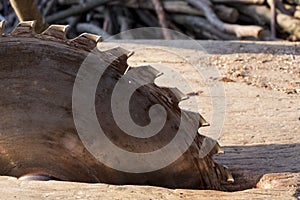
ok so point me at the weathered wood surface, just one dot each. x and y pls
(260, 135)
(45, 127)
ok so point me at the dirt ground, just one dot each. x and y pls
(261, 130)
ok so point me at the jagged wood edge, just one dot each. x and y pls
(57, 33)
(211, 146)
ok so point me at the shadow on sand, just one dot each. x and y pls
(224, 47)
(249, 163)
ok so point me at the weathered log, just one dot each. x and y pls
(261, 14)
(202, 24)
(239, 30)
(221, 14)
(227, 14)
(289, 24)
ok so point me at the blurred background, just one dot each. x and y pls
(199, 19)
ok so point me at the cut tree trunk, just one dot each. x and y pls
(238, 30)
(262, 16)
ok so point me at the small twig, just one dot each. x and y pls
(162, 18)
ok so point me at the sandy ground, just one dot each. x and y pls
(261, 130)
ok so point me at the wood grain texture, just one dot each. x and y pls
(260, 135)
